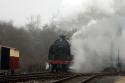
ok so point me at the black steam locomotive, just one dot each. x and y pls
(59, 55)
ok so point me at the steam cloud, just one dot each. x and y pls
(100, 32)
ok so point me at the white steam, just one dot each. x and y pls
(77, 13)
(100, 32)
(93, 46)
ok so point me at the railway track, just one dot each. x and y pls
(32, 76)
(85, 78)
(76, 79)
(57, 77)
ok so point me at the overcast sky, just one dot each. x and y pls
(19, 10)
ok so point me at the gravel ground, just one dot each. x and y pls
(40, 81)
(109, 79)
(121, 80)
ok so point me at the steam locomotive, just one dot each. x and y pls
(59, 55)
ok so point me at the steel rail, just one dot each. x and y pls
(47, 75)
(27, 77)
(91, 76)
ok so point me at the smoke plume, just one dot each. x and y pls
(100, 32)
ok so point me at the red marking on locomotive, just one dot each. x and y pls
(59, 62)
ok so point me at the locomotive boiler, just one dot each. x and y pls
(59, 55)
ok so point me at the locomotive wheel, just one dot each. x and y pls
(64, 68)
(54, 68)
